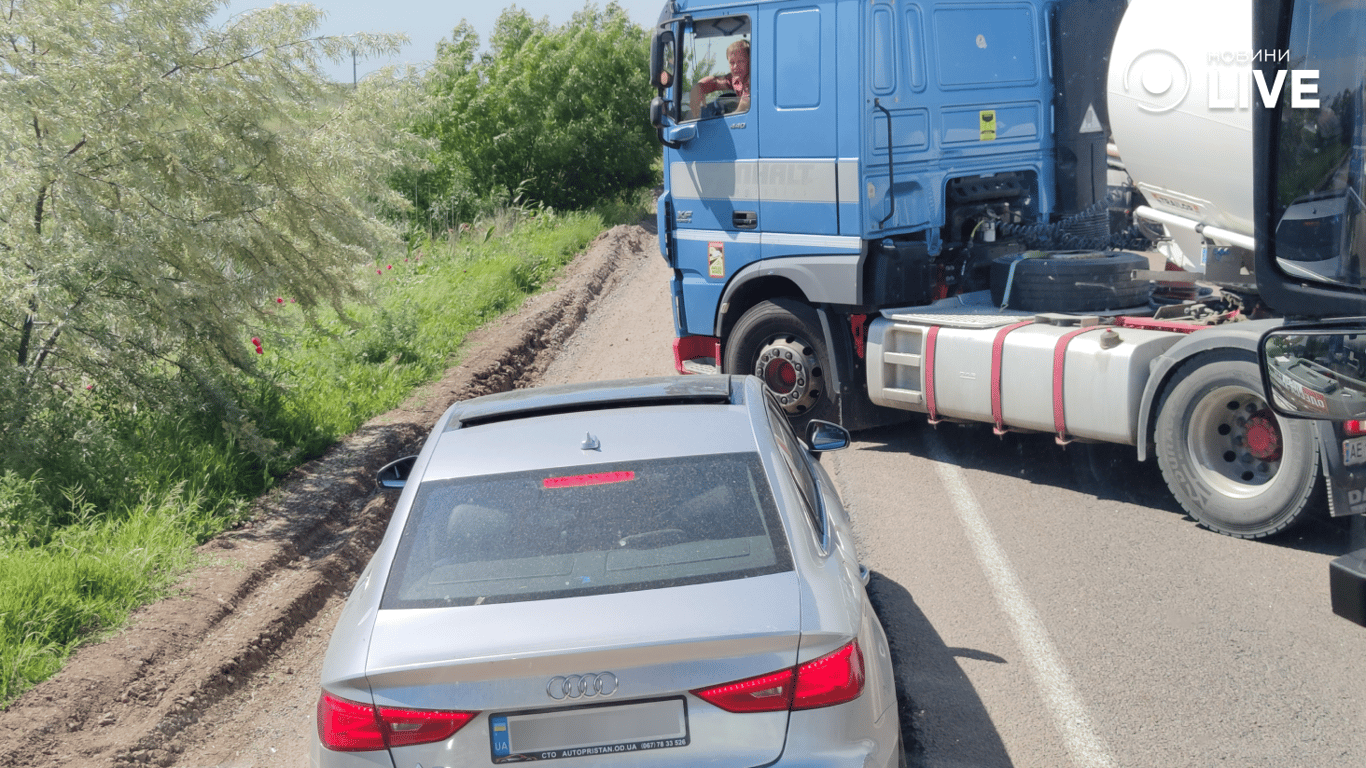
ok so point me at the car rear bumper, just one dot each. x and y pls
(854, 738)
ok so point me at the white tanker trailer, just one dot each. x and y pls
(1180, 93)
(1180, 100)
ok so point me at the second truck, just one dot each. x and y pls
(887, 206)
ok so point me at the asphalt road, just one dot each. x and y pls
(1053, 607)
(1047, 607)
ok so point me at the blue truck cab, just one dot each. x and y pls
(877, 151)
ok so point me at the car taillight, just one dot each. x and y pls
(348, 726)
(1354, 427)
(766, 693)
(832, 679)
(415, 726)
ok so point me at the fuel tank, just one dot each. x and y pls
(1180, 95)
(1035, 371)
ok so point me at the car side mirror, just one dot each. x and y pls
(824, 436)
(1315, 371)
(395, 473)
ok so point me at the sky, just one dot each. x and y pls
(428, 21)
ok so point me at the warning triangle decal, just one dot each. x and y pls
(1091, 123)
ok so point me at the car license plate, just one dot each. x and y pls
(600, 729)
(1354, 451)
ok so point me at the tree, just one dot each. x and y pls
(163, 179)
(556, 113)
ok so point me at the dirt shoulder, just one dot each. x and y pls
(241, 633)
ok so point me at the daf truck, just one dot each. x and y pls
(913, 206)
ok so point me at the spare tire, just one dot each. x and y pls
(1080, 281)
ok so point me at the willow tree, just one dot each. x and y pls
(163, 179)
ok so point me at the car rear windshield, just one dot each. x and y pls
(587, 530)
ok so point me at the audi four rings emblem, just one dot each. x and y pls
(582, 686)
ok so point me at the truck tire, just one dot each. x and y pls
(1092, 281)
(1235, 466)
(780, 341)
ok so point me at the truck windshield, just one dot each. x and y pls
(1321, 229)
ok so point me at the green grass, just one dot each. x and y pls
(123, 493)
(85, 580)
(426, 303)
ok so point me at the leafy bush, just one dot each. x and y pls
(554, 115)
(24, 515)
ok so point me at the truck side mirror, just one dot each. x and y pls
(657, 112)
(662, 59)
(1315, 371)
(671, 136)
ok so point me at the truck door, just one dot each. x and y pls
(712, 176)
(796, 101)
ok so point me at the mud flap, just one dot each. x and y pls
(850, 377)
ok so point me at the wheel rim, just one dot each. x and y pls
(789, 368)
(1236, 442)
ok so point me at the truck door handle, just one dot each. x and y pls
(745, 219)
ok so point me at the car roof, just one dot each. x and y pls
(594, 396)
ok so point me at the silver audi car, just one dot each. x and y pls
(653, 572)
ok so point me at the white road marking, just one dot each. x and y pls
(1050, 675)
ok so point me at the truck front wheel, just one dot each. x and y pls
(1235, 466)
(780, 341)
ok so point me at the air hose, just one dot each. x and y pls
(1059, 235)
